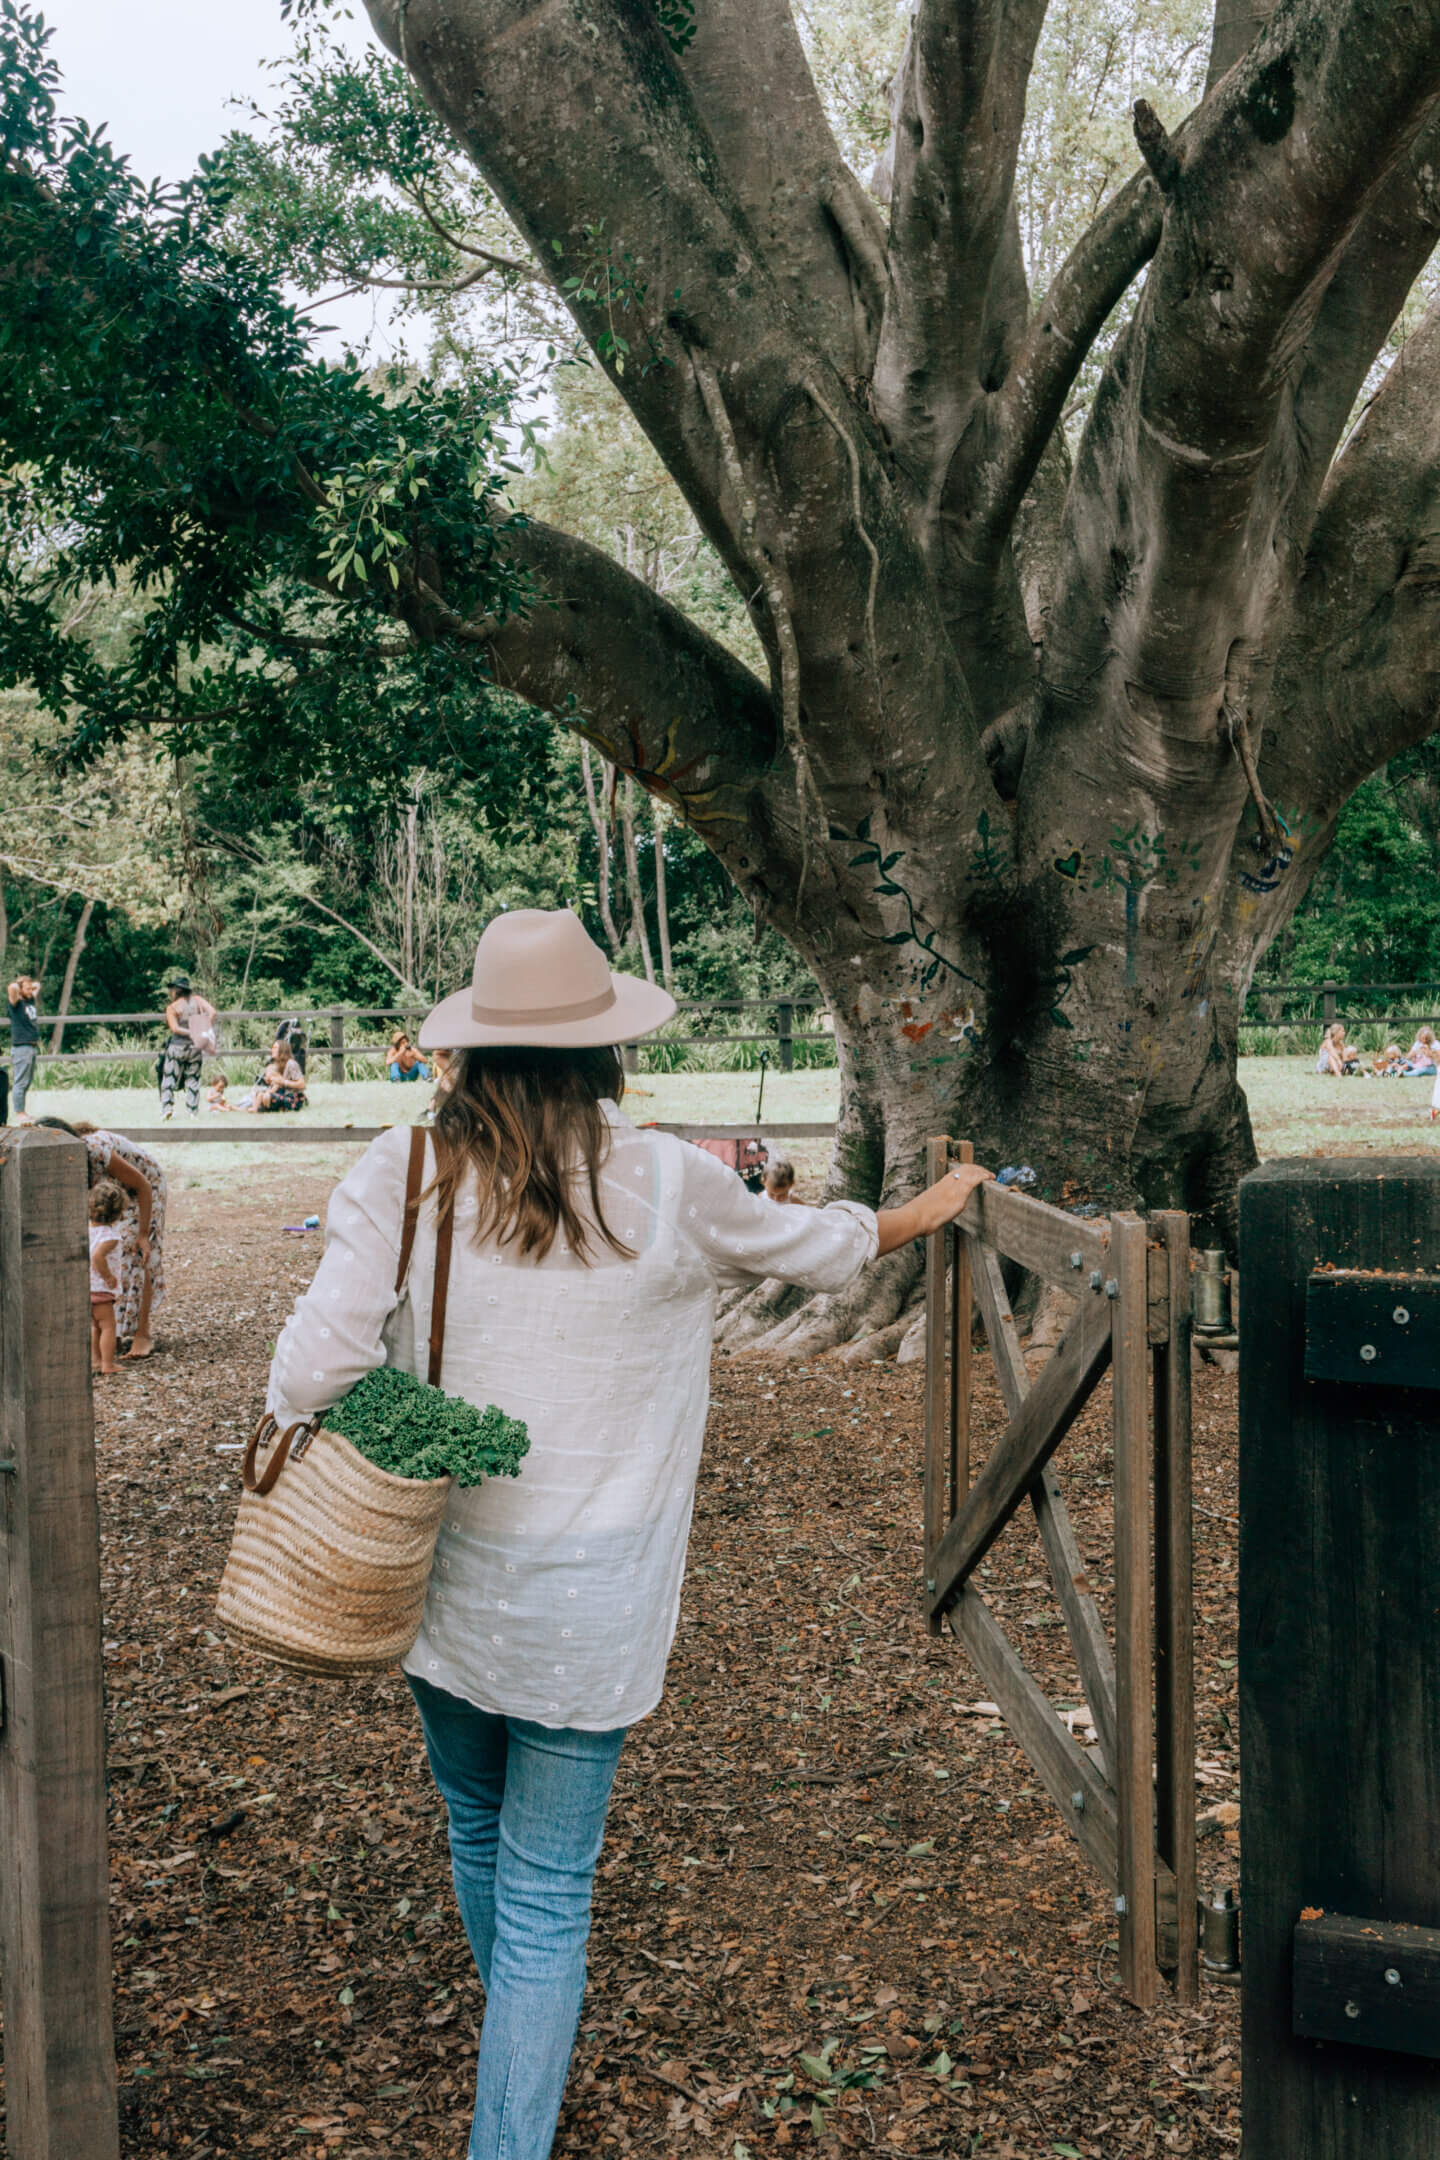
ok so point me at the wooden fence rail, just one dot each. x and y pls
(334, 1039)
(60, 2092)
(1129, 1801)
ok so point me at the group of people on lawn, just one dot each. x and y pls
(1337, 1059)
(191, 1038)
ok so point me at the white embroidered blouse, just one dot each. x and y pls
(555, 1595)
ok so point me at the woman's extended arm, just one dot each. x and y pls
(126, 1174)
(930, 1210)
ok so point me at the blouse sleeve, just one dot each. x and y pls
(333, 1337)
(745, 1237)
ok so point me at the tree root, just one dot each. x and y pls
(782, 1321)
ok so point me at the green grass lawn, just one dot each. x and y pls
(1294, 1111)
(668, 1098)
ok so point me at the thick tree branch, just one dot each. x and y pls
(1386, 253)
(820, 233)
(959, 114)
(611, 659)
(593, 142)
(1234, 29)
(1025, 411)
(1358, 676)
(999, 453)
(1173, 568)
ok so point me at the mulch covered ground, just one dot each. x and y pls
(835, 1912)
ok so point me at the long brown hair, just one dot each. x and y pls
(528, 1122)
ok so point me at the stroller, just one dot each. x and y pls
(747, 1158)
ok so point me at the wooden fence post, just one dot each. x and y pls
(1340, 1658)
(962, 1317)
(1175, 1598)
(937, 1155)
(337, 1048)
(1327, 1001)
(785, 1031)
(1132, 1774)
(54, 1873)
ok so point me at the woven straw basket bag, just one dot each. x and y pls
(330, 1556)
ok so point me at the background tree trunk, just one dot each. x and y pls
(662, 902)
(67, 987)
(600, 824)
(632, 874)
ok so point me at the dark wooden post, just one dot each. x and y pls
(1327, 997)
(337, 1048)
(785, 1031)
(1132, 1773)
(54, 1873)
(962, 1312)
(1175, 1596)
(937, 1155)
(1340, 1658)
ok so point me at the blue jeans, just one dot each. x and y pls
(22, 1072)
(527, 1806)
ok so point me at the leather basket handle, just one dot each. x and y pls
(413, 1177)
(264, 1432)
(444, 1236)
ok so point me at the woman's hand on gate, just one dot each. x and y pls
(930, 1210)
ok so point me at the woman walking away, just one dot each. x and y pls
(141, 1226)
(587, 1258)
(190, 1019)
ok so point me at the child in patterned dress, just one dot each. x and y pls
(106, 1205)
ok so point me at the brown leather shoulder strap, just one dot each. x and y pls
(444, 1233)
(413, 1179)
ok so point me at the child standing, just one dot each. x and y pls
(107, 1204)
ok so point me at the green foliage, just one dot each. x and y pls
(304, 544)
(357, 180)
(1372, 913)
(677, 22)
(607, 280)
(414, 1431)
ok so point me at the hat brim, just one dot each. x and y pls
(639, 1008)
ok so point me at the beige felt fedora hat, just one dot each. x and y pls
(540, 980)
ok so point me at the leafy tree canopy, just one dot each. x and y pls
(315, 553)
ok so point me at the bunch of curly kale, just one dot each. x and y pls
(414, 1431)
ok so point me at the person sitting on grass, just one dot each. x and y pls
(1423, 1056)
(107, 1205)
(1387, 1062)
(1336, 1059)
(406, 1062)
(215, 1094)
(282, 1088)
(780, 1184)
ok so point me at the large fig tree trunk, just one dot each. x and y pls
(1046, 755)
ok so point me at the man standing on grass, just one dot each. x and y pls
(24, 1040)
(190, 1019)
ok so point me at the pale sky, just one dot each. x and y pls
(161, 74)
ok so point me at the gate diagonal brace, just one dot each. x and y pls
(1083, 1623)
(1020, 1455)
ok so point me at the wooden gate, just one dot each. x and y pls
(1130, 1800)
